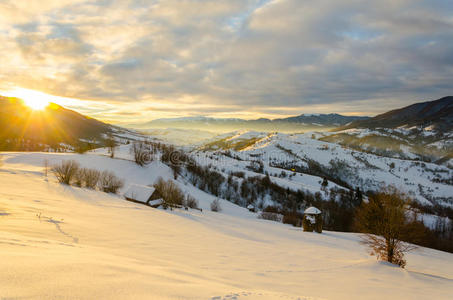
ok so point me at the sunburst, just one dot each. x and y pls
(33, 99)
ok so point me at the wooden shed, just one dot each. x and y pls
(143, 194)
(312, 220)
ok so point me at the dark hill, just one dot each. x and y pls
(438, 113)
(22, 128)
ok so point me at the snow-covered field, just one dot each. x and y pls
(61, 242)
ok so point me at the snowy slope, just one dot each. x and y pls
(70, 243)
(426, 143)
(422, 181)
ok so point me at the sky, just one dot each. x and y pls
(133, 61)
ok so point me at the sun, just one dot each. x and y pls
(36, 104)
(33, 99)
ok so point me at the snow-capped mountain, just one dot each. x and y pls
(297, 123)
(322, 119)
(196, 119)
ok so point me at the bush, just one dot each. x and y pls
(191, 201)
(79, 177)
(293, 218)
(271, 216)
(65, 171)
(271, 209)
(91, 178)
(85, 177)
(170, 193)
(109, 183)
(215, 205)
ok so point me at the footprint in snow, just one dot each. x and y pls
(251, 295)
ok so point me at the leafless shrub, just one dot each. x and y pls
(91, 178)
(276, 217)
(292, 218)
(85, 177)
(109, 183)
(65, 171)
(191, 201)
(170, 192)
(215, 205)
(79, 177)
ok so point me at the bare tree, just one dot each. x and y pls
(386, 225)
(46, 167)
(142, 153)
(111, 144)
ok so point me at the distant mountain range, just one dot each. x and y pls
(302, 122)
(437, 113)
(22, 128)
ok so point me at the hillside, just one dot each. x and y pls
(55, 128)
(422, 131)
(301, 154)
(25, 129)
(438, 114)
(61, 242)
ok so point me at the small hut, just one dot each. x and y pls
(312, 220)
(251, 208)
(143, 194)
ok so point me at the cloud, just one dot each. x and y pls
(249, 57)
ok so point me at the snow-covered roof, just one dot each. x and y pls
(312, 211)
(250, 206)
(155, 202)
(139, 193)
